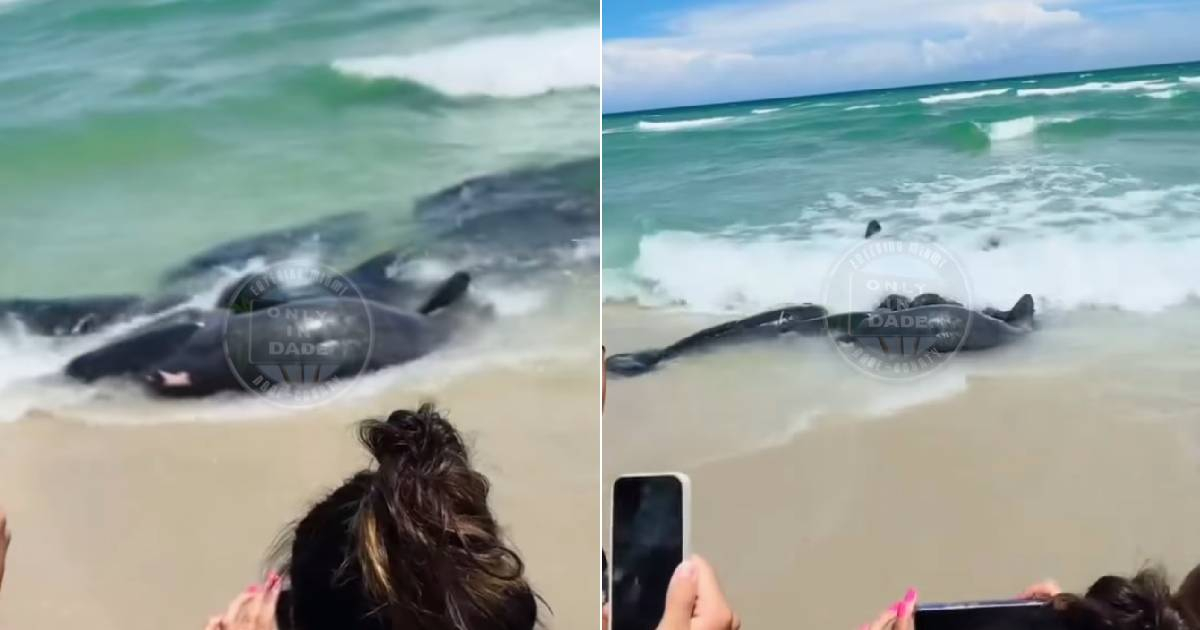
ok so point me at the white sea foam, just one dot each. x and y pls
(677, 125)
(858, 107)
(511, 66)
(1025, 126)
(962, 96)
(706, 273)
(765, 110)
(1189, 79)
(1164, 95)
(1098, 86)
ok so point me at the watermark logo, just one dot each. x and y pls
(297, 334)
(880, 334)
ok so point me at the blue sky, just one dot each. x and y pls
(664, 53)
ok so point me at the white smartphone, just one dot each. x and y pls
(651, 535)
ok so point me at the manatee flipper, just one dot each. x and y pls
(1022, 312)
(633, 363)
(447, 293)
(873, 228)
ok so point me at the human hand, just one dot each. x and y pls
(254, 609)
(695, 600)
(5, 539)
(897, 617)
(1042, 591)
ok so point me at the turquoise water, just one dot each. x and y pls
(1082, 189)
(135, 133)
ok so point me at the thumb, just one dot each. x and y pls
(681, 598)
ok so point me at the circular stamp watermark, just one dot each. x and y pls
(297, 334)
(869, 290)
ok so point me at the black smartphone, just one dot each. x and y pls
(651, 524)
(987, 615)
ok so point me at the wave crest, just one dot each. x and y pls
(962, 96)
(1098, 86)
(676, 125)
(513, 66)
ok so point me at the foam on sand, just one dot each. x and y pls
(512, 66)
(962, 96)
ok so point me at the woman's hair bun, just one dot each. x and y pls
(418, 441)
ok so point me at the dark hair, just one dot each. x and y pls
(1142, 602)
(410, 544)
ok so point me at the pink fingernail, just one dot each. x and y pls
(253, 588)
(686, 569)
(910, 596)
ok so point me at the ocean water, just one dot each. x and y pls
(1082, 189)
(135, 134)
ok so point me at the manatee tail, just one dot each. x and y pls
(1022, 311)
(447, 293)
(633, 363)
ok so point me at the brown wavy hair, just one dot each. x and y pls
(407, 544)
(1142, 602)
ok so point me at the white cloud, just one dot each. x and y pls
(744, 51)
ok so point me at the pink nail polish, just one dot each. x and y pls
(252, 589)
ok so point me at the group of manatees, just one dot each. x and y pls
(511, 223)
(927, 323)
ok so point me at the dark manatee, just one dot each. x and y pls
(803, 319)
(82, 315)
(324, 236)
(352, 336)
(894, 302)
(943, 328)
(946, 325)
(522, 214)
(141, 348)
(873, 228)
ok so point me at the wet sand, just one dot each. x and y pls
(143, 527)
(822, 495)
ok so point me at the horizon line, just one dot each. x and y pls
(897, 87)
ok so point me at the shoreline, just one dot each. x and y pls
(202, 502)
(1066, 459)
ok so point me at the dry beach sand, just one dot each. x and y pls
(144, 527)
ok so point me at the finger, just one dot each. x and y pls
(737, 622)
(231, 613)
(214, 623)
(266, 614)
(710, 600)
(249, 610)
(905, 609)
(884, 621)
(1045, 589)
(681, 598)
(604, 615)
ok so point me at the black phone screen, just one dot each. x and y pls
(1012, 615)
(647, 545)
